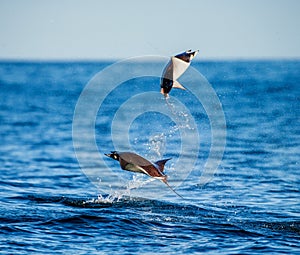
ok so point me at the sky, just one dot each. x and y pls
(98, 29)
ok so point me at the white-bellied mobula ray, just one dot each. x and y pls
(135, 163)
(174, 69)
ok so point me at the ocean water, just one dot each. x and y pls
(62, 198)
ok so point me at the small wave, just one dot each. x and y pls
(282, 226)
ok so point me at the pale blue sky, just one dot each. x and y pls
(91, 29)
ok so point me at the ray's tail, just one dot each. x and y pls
(164, 180)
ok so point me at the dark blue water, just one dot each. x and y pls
(49, 206)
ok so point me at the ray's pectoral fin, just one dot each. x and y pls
(177, 85)
(134, 168)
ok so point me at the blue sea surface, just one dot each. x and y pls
(49, 205)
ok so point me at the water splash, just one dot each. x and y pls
(138, 181)
(119, 195)
(157, 145)
(181, 117)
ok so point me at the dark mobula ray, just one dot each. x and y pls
(135, 163)
(174, 69)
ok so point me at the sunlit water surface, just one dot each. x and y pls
(49, 205)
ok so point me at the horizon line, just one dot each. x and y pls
(206, 59)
